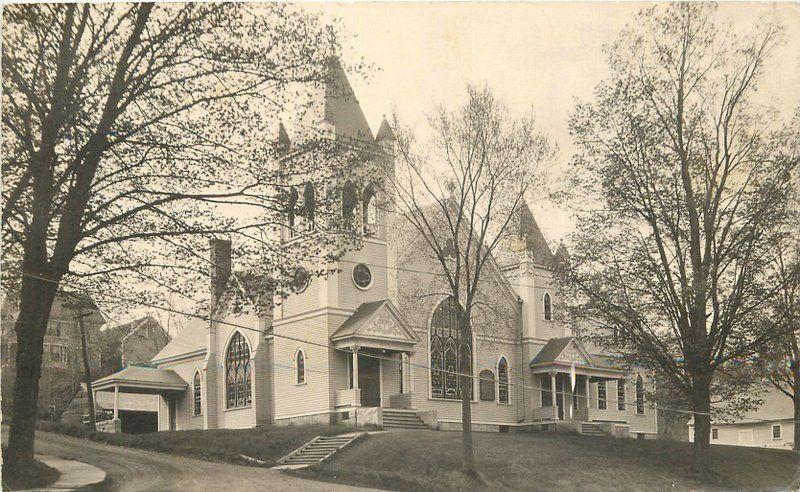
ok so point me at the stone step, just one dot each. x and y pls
(316, 451)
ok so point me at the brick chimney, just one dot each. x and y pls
(221, 270)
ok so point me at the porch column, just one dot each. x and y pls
(355, 367)
(116, 401)
(403, 364)
(555, 395)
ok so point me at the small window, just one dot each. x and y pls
(362, 276)
(300, 365)
(370, 205)
(291, 210)
(639, 395)
(300, 280)
(776, 431)
(349, 203)
(487, 385)
(715, 434)
(198, 395)
(502, 380)
(548, 307)
(621, 395)
(601, 395)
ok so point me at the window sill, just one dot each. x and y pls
(233, 409)
(304, 383)
(448, 400)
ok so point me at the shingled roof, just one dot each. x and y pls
(341, 107)
(534, 241)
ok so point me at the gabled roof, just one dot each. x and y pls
(142, 378)
(191, 339)
(377, 321)
(555, 347)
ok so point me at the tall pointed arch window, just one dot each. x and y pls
(370, 210)
(198, 394)
(547, 307)
(300, 366)
(238, 375)
(639, 395)
(502, 380)
(291, 211)
(450, 355)
(349, 203)
(310, 205)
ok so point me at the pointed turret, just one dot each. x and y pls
(385, 133)
(284, 142)
(562, 255)
(534, 241)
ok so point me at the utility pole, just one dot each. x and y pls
(86, 369)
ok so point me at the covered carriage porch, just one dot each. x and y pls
(376, 345)
(165, 385)
(563, 371)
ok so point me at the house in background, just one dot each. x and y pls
(771, 425)
(375, 342)
(135, 342)
(62, 358)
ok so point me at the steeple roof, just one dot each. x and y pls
(534, 241)
(341, 107)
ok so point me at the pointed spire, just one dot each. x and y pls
(385, 131)
(561, 255)
(283, 137)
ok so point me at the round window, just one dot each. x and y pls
(301, 280)
(362, 277)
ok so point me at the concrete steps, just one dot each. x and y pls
(402, 419)
(315, 451)
(589, 429)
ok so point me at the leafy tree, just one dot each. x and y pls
(461, 191)
(131, 133)
(683, 179)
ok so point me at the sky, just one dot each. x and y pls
(540, 55)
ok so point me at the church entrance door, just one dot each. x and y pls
(369, 380)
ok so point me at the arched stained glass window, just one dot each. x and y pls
(300, 366)
(238, 375)
(639, 395)
(449, 354)
(547, 305)
(198, 394)
(502, 380)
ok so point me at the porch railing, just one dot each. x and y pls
(350, 397)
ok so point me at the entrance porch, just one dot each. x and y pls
(145, 381)
(376, 346)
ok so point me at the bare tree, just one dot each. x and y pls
(126, 128)
(684, 180)
(461, 191)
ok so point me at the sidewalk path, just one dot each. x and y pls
(74, 474)
(134, 470)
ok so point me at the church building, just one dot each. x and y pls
(373, 344)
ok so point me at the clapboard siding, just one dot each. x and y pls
(184, 411)
(313, 396)
(638, 423)
(373, 254)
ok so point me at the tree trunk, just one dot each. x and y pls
(36, 300)
(796, 401)
(466, 397)
(701, 405)
(87, 372)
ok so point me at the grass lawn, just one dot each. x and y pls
(424, 460)
(36, 476)
(267, 444)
